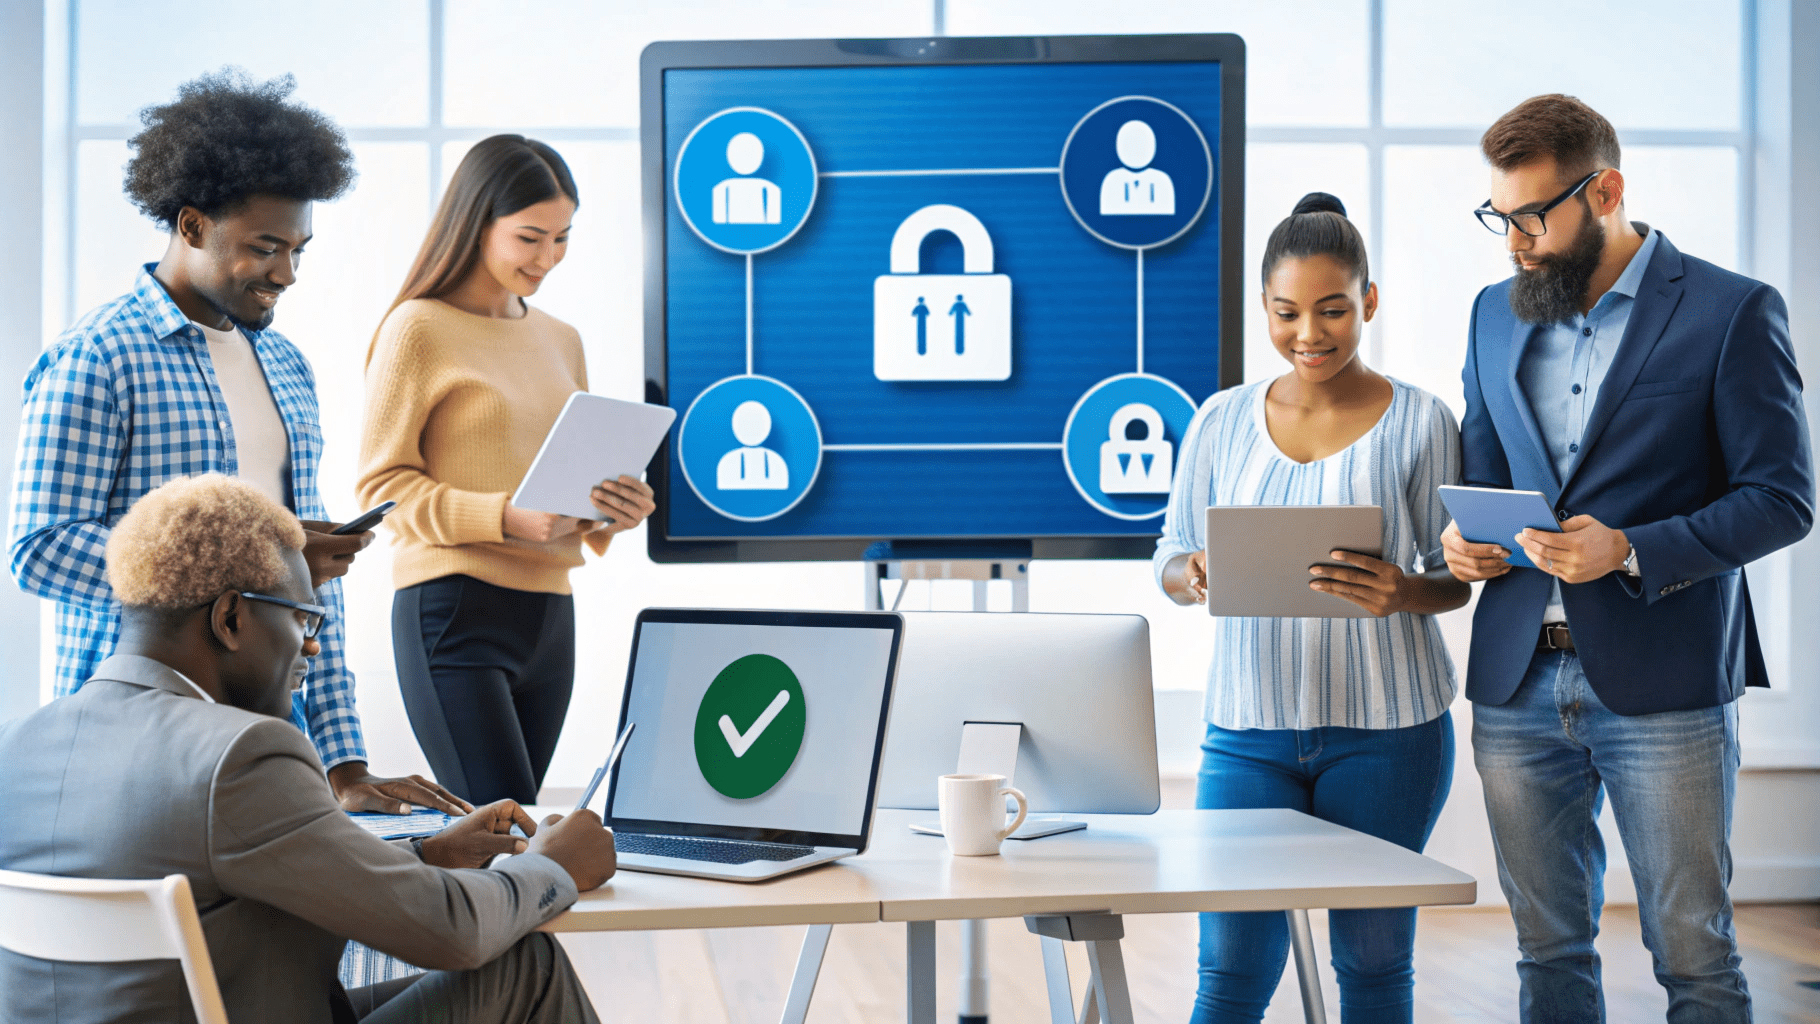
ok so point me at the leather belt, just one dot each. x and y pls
(1555, 637)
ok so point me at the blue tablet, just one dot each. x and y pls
(1491, 515)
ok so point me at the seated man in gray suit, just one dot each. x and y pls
(178, 757)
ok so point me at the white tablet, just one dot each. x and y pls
(1258, 557)
(594, 439)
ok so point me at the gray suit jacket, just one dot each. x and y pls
(134, 776)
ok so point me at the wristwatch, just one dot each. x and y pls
(1630, 562)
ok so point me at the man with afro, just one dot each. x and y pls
(182, 375)
(175, 759)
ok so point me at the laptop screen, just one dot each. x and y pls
(755, 725)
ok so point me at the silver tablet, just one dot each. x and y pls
(595, 438)
(1258, 557)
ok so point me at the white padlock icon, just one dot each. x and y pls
(941, 326)
(1136, 465)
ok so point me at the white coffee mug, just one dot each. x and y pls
(973, 813)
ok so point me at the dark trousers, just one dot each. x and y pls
(486, 674)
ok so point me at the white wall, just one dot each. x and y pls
(21, 295)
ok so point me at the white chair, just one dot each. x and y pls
(100, 920)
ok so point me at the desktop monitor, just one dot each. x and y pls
(937, 293)
(1078, 684)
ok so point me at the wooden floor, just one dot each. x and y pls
(1463, 970)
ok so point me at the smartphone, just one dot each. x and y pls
(366, 520)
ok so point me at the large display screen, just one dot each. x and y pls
(906, 299)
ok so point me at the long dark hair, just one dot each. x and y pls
(1318, 227)
(500, 176)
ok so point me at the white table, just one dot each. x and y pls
(1070, 887)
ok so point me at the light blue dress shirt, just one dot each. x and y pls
(1563, 367)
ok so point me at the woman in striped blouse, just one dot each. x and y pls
(1344, 719)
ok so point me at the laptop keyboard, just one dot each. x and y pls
(714, 851)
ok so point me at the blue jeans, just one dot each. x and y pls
(1547, 757)
(1388, 783)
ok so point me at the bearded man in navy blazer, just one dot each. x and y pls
(1653, 398)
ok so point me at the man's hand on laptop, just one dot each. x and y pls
(475, 840)
(360, 790)
(581, 844)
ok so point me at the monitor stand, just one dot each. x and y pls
(981, 563)
(990, 748)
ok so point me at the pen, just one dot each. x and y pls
(619, 747)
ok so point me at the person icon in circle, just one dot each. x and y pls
(1136, 188)
(747, 200)
(751, 467)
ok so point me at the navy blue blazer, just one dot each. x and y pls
(1697, 448)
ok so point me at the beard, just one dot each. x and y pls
(257, 324)
(1550, 293)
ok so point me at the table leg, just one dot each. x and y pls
(919, 972)
(1307, 968)
(1111, 994)
(808, 969)
(976, 980)
(1108, 995)
(1055, 976)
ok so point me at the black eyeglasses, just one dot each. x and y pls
(315, 616)
(1530, 222)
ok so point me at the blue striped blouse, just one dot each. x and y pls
(1279, 673)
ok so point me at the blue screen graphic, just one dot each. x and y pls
(942, 300)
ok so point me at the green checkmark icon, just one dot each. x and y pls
(749, 726)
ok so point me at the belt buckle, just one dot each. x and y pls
(1548, 636)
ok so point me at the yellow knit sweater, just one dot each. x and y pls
(456, 407)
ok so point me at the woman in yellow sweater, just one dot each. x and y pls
(463, 381)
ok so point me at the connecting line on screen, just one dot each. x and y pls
(939, 172)
(749, 314)
(1009, 446)
(1140, 311)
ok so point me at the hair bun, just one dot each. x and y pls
(1319, 202)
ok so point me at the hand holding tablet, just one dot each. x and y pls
(594, 443)
(1491, 515)
(1370, 583)
(1262, 556)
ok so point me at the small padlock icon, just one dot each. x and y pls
(941, 326)
(1136, 458)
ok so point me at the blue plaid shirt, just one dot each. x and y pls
(127, 400)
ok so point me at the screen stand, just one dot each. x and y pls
(990, 748)
(981, 563)
(981, 571)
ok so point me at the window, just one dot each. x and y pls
(1452, 65)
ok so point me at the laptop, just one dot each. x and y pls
(759, 739)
